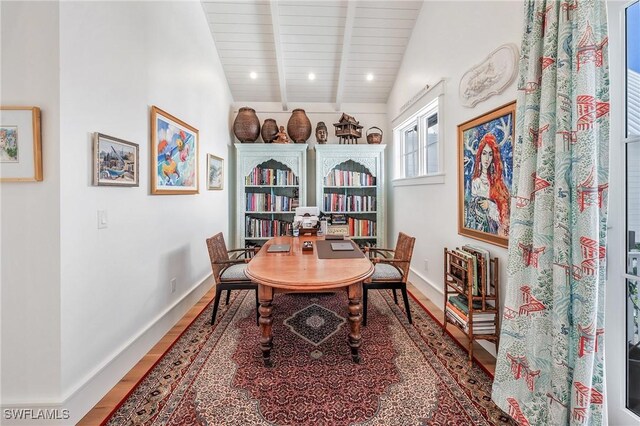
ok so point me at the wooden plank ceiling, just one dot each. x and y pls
(283, 42)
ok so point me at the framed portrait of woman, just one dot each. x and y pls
(485, 175)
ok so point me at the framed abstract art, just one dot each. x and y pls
(485, 175)
(174, 154)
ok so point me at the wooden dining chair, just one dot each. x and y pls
(228, 270)
(391, 271)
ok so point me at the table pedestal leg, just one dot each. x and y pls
(355, 318)
(265, 297)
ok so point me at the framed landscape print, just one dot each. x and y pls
(20, 144)
(174, 155)
(115, 161)
(485, 168)
(215, 172)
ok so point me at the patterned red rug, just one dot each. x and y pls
(409, 375)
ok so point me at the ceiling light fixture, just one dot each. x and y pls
(369, 77)
(312, 76)
(253, 75)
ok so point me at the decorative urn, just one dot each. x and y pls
(299, 126)
(246, 126)
(269, 130)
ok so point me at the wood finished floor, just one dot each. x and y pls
(120, 391)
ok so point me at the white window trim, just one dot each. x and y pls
(431, 101)
(616, 298)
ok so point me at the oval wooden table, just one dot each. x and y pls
(298, 271)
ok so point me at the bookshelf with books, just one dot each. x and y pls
(471, 299)
(350, 190)
(270, 184)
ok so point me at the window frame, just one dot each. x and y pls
(420, 119)
(628, 139)
(404, 153)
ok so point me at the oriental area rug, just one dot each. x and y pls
(409, 374)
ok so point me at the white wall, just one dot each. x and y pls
(88, 303)
(369, 115)
(118, 59)
(449, 38)
(30, 211)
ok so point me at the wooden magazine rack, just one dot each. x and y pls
(475, 297)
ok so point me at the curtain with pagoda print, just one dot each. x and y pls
(550, 360)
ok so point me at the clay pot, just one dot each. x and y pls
(299, 126)
(269, 130)
(246, 126)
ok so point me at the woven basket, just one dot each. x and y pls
(299, 126)
(269, 130)
(374, 137)
(246, 126)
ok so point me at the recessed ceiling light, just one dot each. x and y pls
(312, 76)
(369, 77)
(253, 75)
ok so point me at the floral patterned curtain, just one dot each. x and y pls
(550, 360)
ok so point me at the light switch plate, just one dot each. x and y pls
(102, 219)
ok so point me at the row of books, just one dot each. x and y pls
(362, 227)
(260, 176)
(457, 310)
(259, 202)
(480, 268)
(262, 228)
(349, 203)
(346, 178)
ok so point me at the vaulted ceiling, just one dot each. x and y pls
(311, 51)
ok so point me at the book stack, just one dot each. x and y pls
(349, 178)
(362, 227)
(457, 310)
(276, 177)
(257, 202)
(349, 203)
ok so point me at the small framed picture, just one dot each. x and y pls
(485, 164)
(174, 155)
(215, 172)
(20, 145)
(115, 161)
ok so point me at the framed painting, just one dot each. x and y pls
(485, 169)
(174, 155)
(115, 161)
(215, 172)
(20, 144)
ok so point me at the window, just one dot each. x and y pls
(410, 150)
(632, 174)
(431, 153)
(418, 144)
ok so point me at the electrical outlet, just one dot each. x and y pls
(173, 285)
(426, 265)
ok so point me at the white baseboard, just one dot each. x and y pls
(432, 291)
(83, 395)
